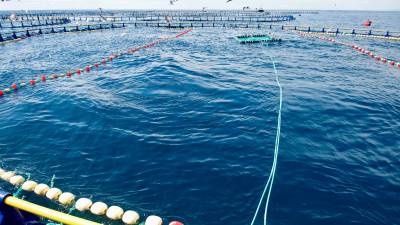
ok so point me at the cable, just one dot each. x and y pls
(271, 176)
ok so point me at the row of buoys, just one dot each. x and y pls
(82, 204)
(372, 36)
(87, 69)
(378, 58)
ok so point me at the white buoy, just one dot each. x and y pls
(41, 189)
(130, 217)
(83, 204)
(53, 193)
(7, 175)
(99, 208)
(29, 185)
(66, 198)
(17, 180)
(114, 212)
(153, 220)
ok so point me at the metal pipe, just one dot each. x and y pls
(46, 212)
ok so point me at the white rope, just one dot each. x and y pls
(271, 176)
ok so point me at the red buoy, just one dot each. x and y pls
(176, 223)
(43, 78)
(1, 93)
(14, 86)
(384, 60)
(32, 82)
(103, 61)
(367, 23)
(96, 65)
(392, 63)
(69, 74)
(111, 58)
(87, 68)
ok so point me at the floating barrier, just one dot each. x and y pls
(385, 36)
(378, 58)
(32, 23)
(189, 18)
(256, 39)
(43, 78)
(23, 34)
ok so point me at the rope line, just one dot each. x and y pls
(391, 62)
(43, 78)
(271, 176)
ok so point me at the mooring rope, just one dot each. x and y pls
(271, 176)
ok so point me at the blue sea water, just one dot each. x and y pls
(186, 129)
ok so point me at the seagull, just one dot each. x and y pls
(228, 1)
(172, 1)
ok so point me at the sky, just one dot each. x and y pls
(392, 5)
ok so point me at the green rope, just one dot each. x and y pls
(52, 180)
(271, 177)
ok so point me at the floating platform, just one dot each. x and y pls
(245, 39)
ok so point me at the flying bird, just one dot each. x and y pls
(228, 1)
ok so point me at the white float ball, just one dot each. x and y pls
(99, 208)
(17, 180)
(66, 198)
(53, 193)
(153, 220)
(114, 212)
(130, 217)
(7, 175)
(41, 189)
(83, 204)
(29, 185)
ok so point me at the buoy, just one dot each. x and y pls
(130, 217)
(114, 212)
(384, 60)
(98, 208)
(14, 86)
(111, 58)
(41, 189)
(83, 204)
(176, 223)
(1, 93)
(69, 74)
(53, 193)
(78, 71)
(7, 175)
(54, 76)
(367, 23)
(29, 185)
(103, 61)
(32, 82)
(96, 65)
(66, 198)
(17, 180)
(87, 68)
(43, 78)
(392, 63)
(153, 220)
